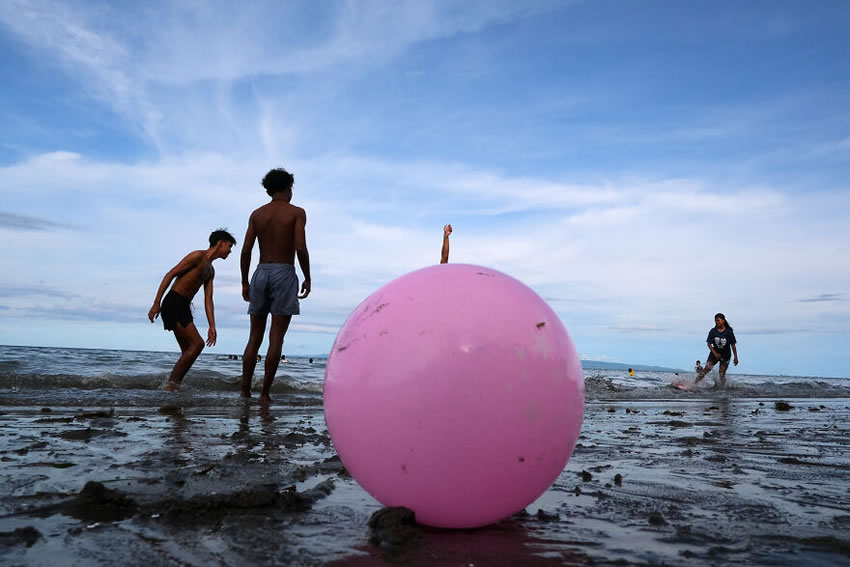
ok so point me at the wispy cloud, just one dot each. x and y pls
(12, 221)
(366, 32)
(36, 289)
(136, 60)
(639, 329)
(823, 297)
(780, 331)
(100, 62)
(94, 310)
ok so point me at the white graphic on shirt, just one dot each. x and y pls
(719, 342)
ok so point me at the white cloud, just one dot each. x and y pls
(628, 253)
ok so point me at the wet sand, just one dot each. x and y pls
(702, 482)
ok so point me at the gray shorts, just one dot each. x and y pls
(274, 289)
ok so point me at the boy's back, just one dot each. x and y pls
(275, 226)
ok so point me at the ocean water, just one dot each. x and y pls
(95, 377)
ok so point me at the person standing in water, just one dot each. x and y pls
(193, 271)
(279, 227)
(721, 345)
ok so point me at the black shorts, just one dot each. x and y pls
(725, 357)
(175, 309)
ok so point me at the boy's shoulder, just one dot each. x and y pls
(274, 209)
(193, 256)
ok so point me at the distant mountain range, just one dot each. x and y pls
(599, 365)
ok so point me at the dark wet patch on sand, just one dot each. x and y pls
(672, 423)
(88, 434)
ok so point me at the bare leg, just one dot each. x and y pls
(280, 324)
(723, 369)
(249, 357)
(705, 370)
(191, 345)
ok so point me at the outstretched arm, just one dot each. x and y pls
(303, 254)
(210, 309)
(245, 257)
(185, 265)
(444, 253)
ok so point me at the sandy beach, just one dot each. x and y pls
(705, 482)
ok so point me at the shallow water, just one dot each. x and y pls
(90, 377)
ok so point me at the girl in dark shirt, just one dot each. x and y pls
(722, 345)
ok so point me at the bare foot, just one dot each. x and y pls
(245, 393)
(265, 399)
(172, 387)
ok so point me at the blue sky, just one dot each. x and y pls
(642, 165)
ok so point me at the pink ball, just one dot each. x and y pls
(454, 391)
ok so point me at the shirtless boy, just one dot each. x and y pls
(193, 271)
(278, 226)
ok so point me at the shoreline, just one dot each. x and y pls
(708, 481)
(589, 367)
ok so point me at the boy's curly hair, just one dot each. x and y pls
(278, 180)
